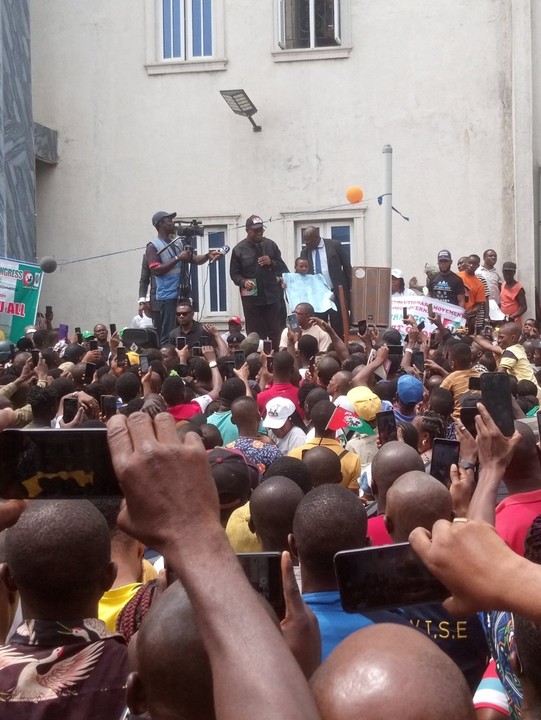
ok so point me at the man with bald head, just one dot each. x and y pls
(173, 678)
(385, 672)
(416, 499)
(272, 509)
(392, 460)
(324, 465)
(305, 311)
(327, 257)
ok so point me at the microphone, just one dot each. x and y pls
(223, 251)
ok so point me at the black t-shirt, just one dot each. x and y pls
(446, 287)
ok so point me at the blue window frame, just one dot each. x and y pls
(187, 29)
(217, 275)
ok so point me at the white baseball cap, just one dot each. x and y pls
(278, 410)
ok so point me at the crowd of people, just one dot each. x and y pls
(307, 443)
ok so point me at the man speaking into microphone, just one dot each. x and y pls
(257, 267)
(165, 262)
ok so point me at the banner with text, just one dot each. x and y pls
(452, 316)
(20, 288)
(308, 289)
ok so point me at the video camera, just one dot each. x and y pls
(189, 229)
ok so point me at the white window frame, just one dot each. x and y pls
(228, 225)
(156, 64)
(342, 35)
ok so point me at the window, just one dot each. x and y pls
(341, 231)
(309, 23)
(184, 36)
(187, 29)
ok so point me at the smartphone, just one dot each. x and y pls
(79, 338)
(421, 326)
(197, 351)
(63, 331)
(182, 370)
(181, 343)
(121, 356)
(143, 363)
(474, 384)
(386, 424)
(444, 454)
(405, 313)
(239, 359)
(293, 322)
(397, 350)
(391, 576)
(229, 367)
(430, 310)
(267, 347)
(264, 573)
(418, 359)
(71, 405)
(496, 397)
(467, 417)
(270, 364)
(48, 310)
(108, 405)
(35, 357)
(205, 340)
(112, 328)
(487, 330)
(361, 327)
(93, 345)
(77, 330)
(66, 463)
(89, 373)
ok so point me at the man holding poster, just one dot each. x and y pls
(20, 287)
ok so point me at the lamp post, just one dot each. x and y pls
(241, 104)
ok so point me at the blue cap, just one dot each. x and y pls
(409, 389)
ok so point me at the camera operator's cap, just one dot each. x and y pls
(232, 475)
(396, 273)
(444, 255)
(278, 410)
(254, 221)
(365, 402)
(235, 320)
(509, 266)
(409, 389)
(160, 215)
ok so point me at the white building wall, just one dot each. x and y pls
(432, 79)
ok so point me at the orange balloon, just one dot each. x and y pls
(354, 194)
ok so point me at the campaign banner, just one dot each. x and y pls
(20, 288)
(308, 289)
(452, 316)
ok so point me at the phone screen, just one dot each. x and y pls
(197, 351)
(239, 359)
(121, 356)
(143, 363)
(89, 373)
(229, 366)
(35, 357)
(63, 331)
(405, 314)
(496, 397)
(474, 383)
(421, 326)
(267, 347)
(56, 464)
(444, 454)
(205, 340)
(361, 326)
(418, 359)
(108, 405)
(182, 370)
(77, 330)
(270, 364)
(48, 310)
(93, 345)
(181, 342)
(293, 322)
(80, 338)
(386, 424)
(70, 407)
(467, 416)
(385, 577)
(112, 328)
(264, 574)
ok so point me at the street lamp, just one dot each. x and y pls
(241, 104)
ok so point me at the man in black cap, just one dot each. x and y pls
(257, 267)
(165, 265)
(446, 285)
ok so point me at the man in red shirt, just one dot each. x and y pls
(281, 383)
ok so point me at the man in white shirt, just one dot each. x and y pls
(490, 275)
(144, 318)
(304, 312)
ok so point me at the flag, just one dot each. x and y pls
(342, 418)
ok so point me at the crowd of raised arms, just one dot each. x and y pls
(304, 444)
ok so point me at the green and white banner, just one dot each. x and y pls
(20, 288)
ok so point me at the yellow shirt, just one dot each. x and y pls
(350, 462)
(457, 382)
(113, 601)
(240, 537)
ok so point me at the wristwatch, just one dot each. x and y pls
(213, 364)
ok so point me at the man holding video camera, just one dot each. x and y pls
(165, 263)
